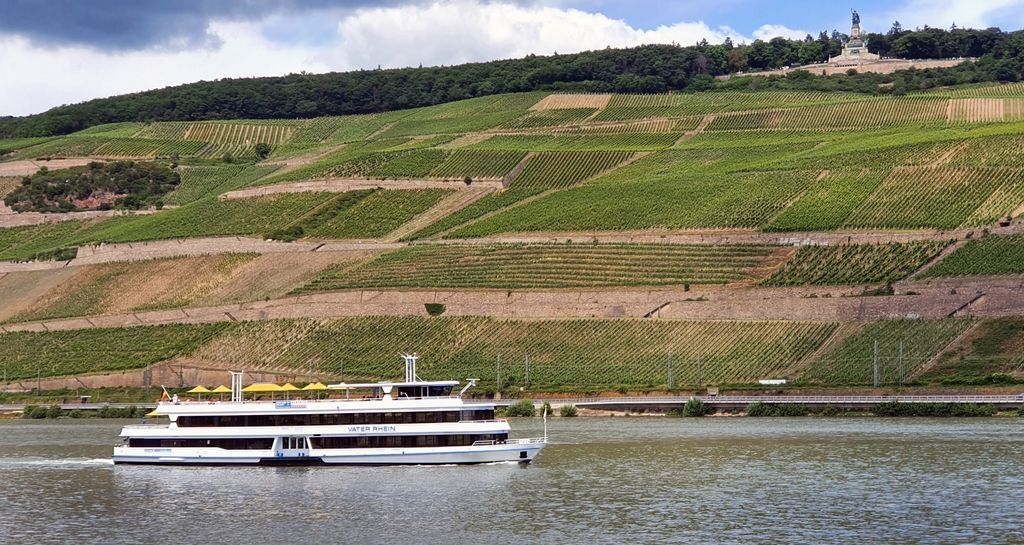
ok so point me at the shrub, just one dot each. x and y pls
(521, 408)
(29, 411)
(829, 410)
(694, 407)
(262, 150)
(894, 408)
(760, 409)
(288, 234)
(75, 413)
(569, 411)
(54, 411)
(435, 309)
(546, 408)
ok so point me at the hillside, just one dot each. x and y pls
(645, 69)
(765, 234)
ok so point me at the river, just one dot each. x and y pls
(603, 480)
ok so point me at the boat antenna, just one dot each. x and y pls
(545, 423)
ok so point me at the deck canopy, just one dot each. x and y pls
(315, 386)
(199, 390)
(263, 387)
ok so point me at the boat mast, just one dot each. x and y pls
(236, 386)
(410, 367)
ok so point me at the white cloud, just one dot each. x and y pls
(468, 30)
(443, 32)
(35, 79)
(767, 32)
(943, 13)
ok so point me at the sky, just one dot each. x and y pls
(55, 52)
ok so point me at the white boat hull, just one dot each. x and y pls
(518, 452)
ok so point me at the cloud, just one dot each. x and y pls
(965, 13)
(428, 33)
(38, 79)
(469, 30)
(127, 25)
(767, 32)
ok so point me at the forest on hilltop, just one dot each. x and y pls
(644, 69)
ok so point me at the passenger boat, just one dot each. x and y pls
(383, 423)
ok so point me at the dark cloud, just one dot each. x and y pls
(120, 25)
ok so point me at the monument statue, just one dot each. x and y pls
(855, 50)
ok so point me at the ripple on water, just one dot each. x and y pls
(610, 480)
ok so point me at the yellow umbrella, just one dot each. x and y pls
(289, 387)
(263, 387)
(153, 413)
(315, 386)
(221, 390)
(199, 390)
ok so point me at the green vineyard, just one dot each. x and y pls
(548, 266)
(854, 264)
(563, 354)
(986, 256)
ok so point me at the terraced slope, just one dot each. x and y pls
(587, 354)
(548, 266)
(854, 264)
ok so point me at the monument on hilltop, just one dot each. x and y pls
(855, 50)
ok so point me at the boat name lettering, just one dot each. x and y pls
(372, 428)
(289, 405)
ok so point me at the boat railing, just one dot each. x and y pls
(488, 421)
(527, 441)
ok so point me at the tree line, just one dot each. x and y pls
(644, 69)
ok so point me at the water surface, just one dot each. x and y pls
(603, 480)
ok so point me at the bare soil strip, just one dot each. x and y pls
(935, 261)
(448, 205)
(29, 167)
(9, 218)
(562, 101)
(625, 303)
(931, 363)
(342, 185)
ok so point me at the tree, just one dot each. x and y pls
(262, 150)
(896, 29)
(811, 52)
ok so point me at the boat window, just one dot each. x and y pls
(406, 441)
(343, 419)
(245, 443)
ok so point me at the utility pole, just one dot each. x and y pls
(39, 380)
(874, 364)
(700, 378)
(498, 373)
(5, 380)
(901, 363)
(341, 371)
(527, 370)
(671, 378)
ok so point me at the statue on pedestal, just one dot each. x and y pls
(856, 17)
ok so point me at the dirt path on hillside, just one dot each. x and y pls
(341, 185)
(736, 236)
(447, 206)
(9, 218)
(29, 167)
